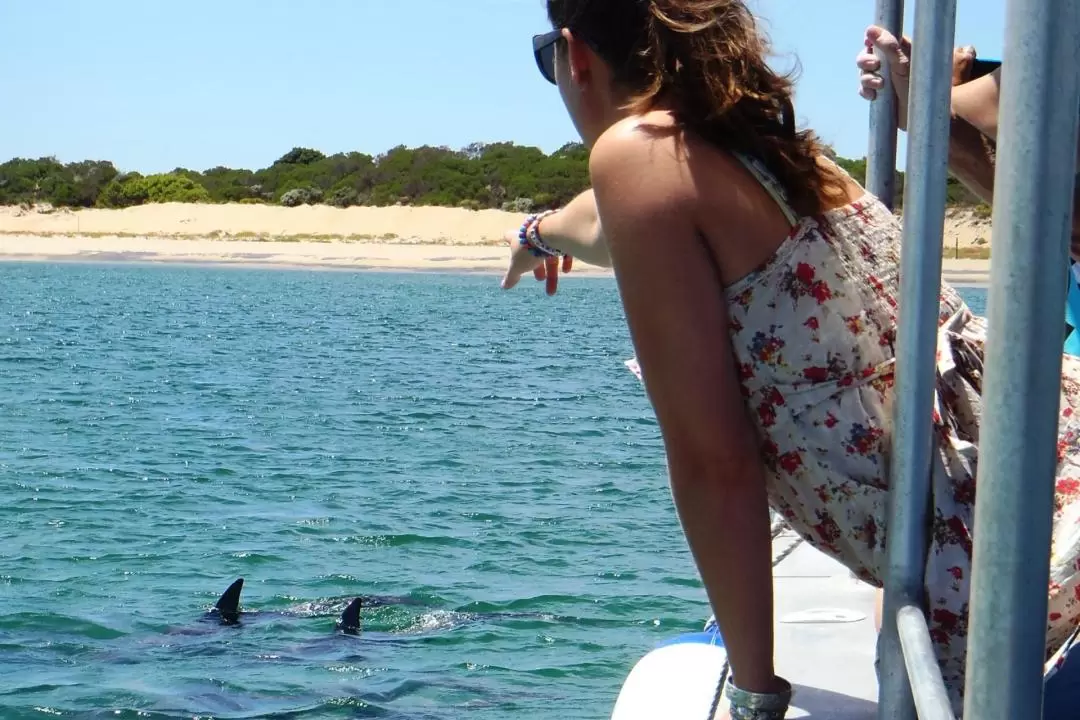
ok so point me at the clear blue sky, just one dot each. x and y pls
(158, 84)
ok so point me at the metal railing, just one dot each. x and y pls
(908, 657)
(1036, 167)
(1040, 96)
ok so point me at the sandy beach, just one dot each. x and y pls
(390, 238)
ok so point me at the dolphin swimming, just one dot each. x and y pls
(228, 605)
(349, 622)
(227, 610)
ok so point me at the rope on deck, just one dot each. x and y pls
(779, 527)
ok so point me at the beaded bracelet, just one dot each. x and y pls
(529, 236)
(744, 705)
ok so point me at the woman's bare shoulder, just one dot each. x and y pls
(678, 163)
(643, 150)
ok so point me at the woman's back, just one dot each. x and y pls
(814, 332)
(812, 312)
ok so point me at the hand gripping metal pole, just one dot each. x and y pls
(881, 158)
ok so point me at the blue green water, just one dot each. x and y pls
(164, 430)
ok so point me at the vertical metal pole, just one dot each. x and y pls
(920, 289)
(881, 158)
(1022, 378)
(895, 700)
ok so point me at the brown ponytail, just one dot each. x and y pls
(706, 59)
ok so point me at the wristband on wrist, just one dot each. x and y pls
(529, 236)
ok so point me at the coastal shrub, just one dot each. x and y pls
(300, 156)
(544, 201)
(519, 205)
(46, 180)
(292, 198)
(301, 196)
(134, 189)
(170, 187)
(63, 194)
(124, 191)
(344, 197)
(29, 181)
(503, 175)
(88, 178)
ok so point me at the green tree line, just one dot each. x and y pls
(497, 175)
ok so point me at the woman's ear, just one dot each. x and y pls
(579, 58)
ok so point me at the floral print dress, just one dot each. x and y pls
(814, 334)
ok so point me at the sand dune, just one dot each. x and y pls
(401, 238)
(438, 225)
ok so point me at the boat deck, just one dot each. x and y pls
(825, 639)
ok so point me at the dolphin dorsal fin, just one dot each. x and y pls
(350, 617)
(228, 605)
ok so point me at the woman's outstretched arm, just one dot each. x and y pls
(677, 315)
(575, 230)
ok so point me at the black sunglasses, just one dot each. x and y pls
(544, 51)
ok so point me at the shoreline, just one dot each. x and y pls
(394, 238)
(324, 255)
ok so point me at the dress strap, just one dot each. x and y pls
(771, 185)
